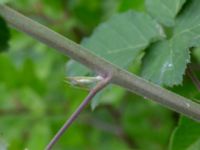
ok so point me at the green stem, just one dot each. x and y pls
(101, 66)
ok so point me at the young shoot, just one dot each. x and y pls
(83, 82)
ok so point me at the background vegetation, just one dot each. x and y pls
(35, 101)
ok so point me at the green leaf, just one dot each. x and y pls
(164, 11)
(121, 39)
(165, 62)
(4, 35)
(186, 136)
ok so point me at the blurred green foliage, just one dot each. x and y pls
(35, 101)
(190, 135)
(5, 35)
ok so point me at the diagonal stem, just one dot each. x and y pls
(105, 81)
(101, 66)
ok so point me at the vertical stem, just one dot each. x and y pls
(76, 113)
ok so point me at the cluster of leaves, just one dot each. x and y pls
(154, 44)
(123, 37)
(165, 37)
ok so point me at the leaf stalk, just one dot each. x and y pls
(105, 81)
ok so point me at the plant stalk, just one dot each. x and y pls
(120, 77)
(105, 81)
